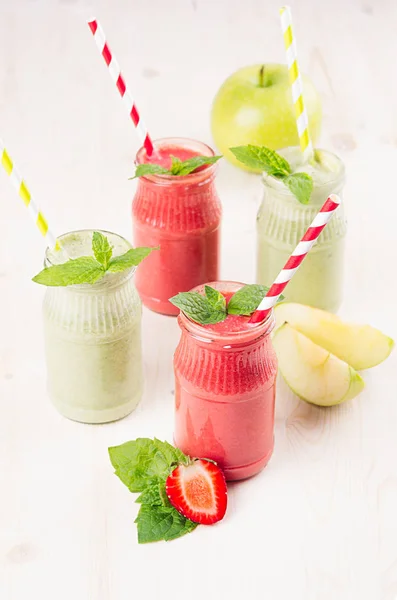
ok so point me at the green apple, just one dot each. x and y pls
(361, 346)
(254, 106)
(311, 372)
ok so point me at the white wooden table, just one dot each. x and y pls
(320, 522)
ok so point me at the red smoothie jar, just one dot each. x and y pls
(182, 215)
(225, 378)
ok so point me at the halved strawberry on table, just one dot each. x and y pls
(198, 491)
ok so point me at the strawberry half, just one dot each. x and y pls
(198, 491)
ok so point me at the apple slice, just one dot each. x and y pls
(311, 372)
(361, 346)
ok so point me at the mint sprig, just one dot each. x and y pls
(101, 248)
(205, 310)
(143, 465)
(90, 269)
(216, 300)
(301, 185)
(211, 308)
(178, 167)
(265, 159)
(247, 299)
(260, 157)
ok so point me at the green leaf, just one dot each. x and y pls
(101, 248)
(144, 462)
(131, 258)
(247, 299)
(175, 165)
(215, 298)
(191, 164)
(198, 308)
(151, 495)
(149, 169)
(260, 157)
(178, 167)
(301, 185)
(75, 271)
(157, 523)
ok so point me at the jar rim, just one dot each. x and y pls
(109, 280)
(184, 142)
(236, 337)
(282, 190)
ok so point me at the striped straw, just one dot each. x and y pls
(302, 120)
(24, 193)
(115, 74)
(295, 260)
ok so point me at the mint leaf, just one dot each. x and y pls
(144, 462)
(149, 169)
(247, 299)
(75, 271)
(151, 495)
(265, 159)
(101, 248)
(260, 157)
(157, 523)
(215, 298)
(175, 165)
(301, 185)
(198, 308)
(178, 167)
(191, 164)
(87, 269)
(131, 258)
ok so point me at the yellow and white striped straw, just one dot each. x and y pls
(24, 193)
(302, 120)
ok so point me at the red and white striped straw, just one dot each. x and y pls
(295, 260)
(115, 73)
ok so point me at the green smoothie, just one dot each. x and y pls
(282, 221)
(93, 338)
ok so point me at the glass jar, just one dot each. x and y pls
(282, 221)
(93, 339)
(225, 393)
(182, 215)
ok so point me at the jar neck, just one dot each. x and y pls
(283, 218)
(110, 284)
(178, 206)
(201, 335)
(232, 367)
(277, 190)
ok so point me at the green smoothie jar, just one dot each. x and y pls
(282, 221)
(93, 338)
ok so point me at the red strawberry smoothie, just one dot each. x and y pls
(225, 378)
(182, 215)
